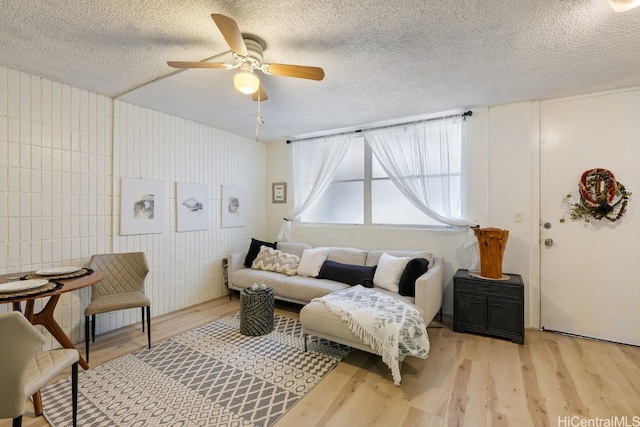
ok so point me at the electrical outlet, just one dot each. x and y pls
(517, 216)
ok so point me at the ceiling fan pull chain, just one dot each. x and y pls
(259, 119)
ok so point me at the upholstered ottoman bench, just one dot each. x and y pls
(321, 318)
(317, 320)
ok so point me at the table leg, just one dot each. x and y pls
(37, 403)
(46, 319)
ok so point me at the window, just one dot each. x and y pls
(343, 201)
(362, 193)
(390, 206)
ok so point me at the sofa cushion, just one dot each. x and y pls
(311, 261)
(347, 255)
(347, 273)
(245, 277)
(254, 248)
(389, 270)
(295, 248)
(414, 269)
(269, 259)
(304, 289)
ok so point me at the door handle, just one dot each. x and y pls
(548, 242)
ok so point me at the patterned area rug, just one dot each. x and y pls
(210, 376)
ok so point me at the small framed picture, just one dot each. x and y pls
(192, 207)
(234, 206)
(279, 192)
(141, 206)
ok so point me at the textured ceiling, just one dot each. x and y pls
(383, 60)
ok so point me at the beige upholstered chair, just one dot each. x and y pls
(24, 369)
(121, 288)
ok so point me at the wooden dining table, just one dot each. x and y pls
(45, 316)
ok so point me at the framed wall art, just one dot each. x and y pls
(279, 192)
(141, 206)
(192, 208)
(234, 206)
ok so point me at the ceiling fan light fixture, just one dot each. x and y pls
(623, 5)
(246, 82)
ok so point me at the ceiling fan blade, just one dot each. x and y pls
(231, 33)
(262, 94)
(189, 64)
(299, 71)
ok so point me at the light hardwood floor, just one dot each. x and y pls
(468, 380)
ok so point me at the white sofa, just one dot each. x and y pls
(302, 289)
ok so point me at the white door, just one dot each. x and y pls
(590, 272)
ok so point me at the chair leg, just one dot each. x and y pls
(93, 328)
(148, 325)
(17, 421)
(86, 338)
(74, 393)
(142, 309)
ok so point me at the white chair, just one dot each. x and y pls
(24, 369)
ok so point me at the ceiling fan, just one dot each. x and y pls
(247, 51)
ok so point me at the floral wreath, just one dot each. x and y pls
(600, 196)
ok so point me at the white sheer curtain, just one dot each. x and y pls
(314, 165)
(425, 161)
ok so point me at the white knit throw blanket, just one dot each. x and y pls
(389, 326)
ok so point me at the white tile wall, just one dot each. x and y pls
(48, 173)
(186, 267)
(63, 151)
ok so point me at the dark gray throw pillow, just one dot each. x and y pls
(347, 273)
(414, 269)
(254, 249)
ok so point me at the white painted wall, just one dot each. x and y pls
(513, 187)
(62, 154)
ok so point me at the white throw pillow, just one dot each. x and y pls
(389, 271)
(270, 259)
(311, 261)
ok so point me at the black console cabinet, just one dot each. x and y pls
(489, 307)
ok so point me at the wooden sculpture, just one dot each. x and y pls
(492, 243)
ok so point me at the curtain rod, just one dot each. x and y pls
(463, 115)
